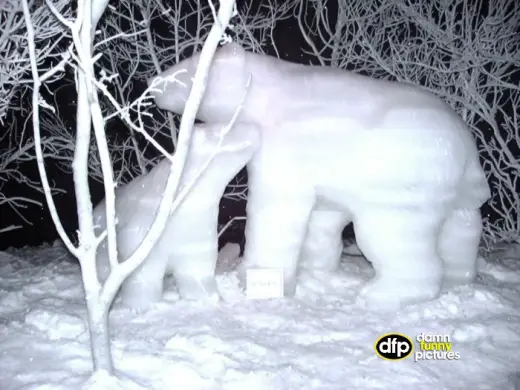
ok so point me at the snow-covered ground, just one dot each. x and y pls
(319, 340)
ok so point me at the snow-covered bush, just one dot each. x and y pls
(17, 145)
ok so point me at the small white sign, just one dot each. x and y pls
(264, 283)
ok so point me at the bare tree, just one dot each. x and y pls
(89, 114)
(468, 53)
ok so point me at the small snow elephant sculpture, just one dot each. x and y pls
(338, 147)
(188, 246)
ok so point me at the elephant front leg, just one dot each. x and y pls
(144, 286)
(275, 229)
(193, 250)
(193, 269)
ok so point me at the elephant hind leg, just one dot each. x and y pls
(401, 245)
(193, 268)
(458, 244)
(323, 244)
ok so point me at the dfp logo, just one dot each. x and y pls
(393, 346)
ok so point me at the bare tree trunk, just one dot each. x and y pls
(99, 331)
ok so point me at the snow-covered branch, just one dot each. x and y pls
(49, 35)
(17, 146)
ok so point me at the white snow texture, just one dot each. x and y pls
(188, 245)
(319, 340)
(338, 147)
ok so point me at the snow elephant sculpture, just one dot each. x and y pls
(338, 147)
(188, 246)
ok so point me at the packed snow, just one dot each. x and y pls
(320, 339)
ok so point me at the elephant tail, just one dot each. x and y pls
(474, 189)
